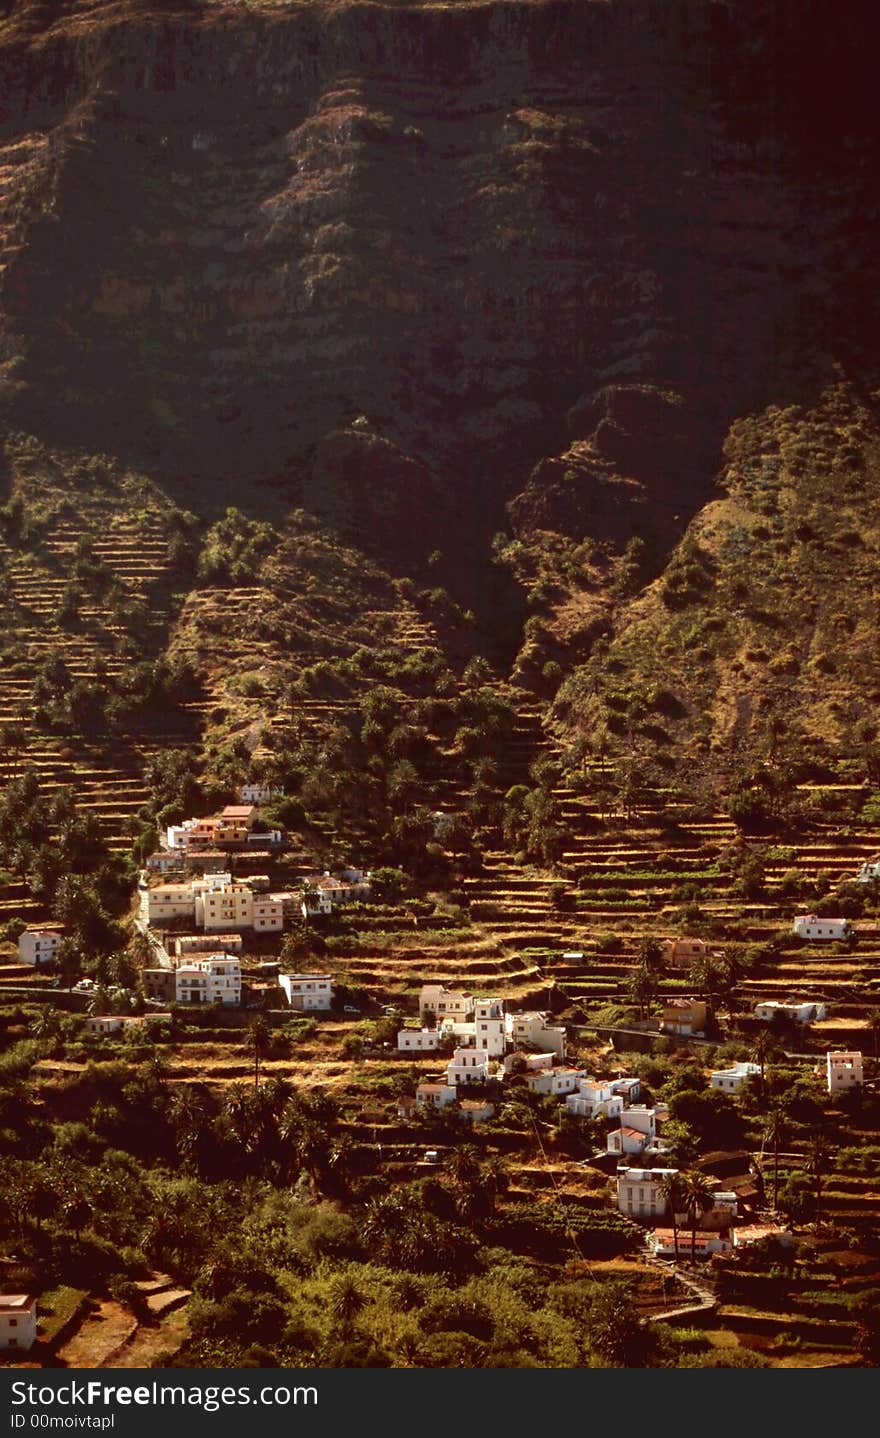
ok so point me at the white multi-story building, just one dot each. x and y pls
(418, 1041)
(489, 1028)
(443, 1003)
(533, 1029)
(734, 1079)
(18, 1321)
(843, 1071)
(594, 1100)
(869, 872)
(808, 926)
(213, 980)
(467, 1066)
(640, 1191)
(640, 1117)
(39, 946)
(308, 992)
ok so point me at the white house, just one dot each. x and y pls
(489, 1028)
(321, 893)
(38, 946)
(478, 1110)
(18, 1321)
(843, 1071)
(443, 1003)
(105, 1023)
(163, 861)
(254, 793)
(640, 1117)
(214, 980)
(435, 1095)
(797, 1012)
(308, 992)
(628, 1088)
(690, 1246)
(734, 1079)
(532, 1029)
(640, 1191)
(526, 1063)
(750, 1233)
(869, 872)
(419, 1041)
(467, 1066)
(559, 1081)
(808, 926)
(594, 1100)
(110, 1024)
(626, 1141)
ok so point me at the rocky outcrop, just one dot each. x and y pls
(491, 228)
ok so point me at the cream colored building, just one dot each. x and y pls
(444, 1003)
(228, 906)
(168, 902)
(843, 1071)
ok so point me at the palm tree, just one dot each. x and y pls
(673, 1191)
(817, 1165)
(466, 1171)
(259, 1036)
(47, 1024)
(763, 1048)
(642, 988)
(346, 1302)
(699, 1197)
(775, 1133)
(496, 1181)
(190, 1115)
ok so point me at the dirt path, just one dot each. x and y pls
(148, 1344)
(100, 1334)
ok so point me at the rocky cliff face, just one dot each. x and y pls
(492, 230)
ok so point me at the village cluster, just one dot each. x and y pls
(500, 1047)
(195, 922)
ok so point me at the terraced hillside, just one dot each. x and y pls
(87, 558)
